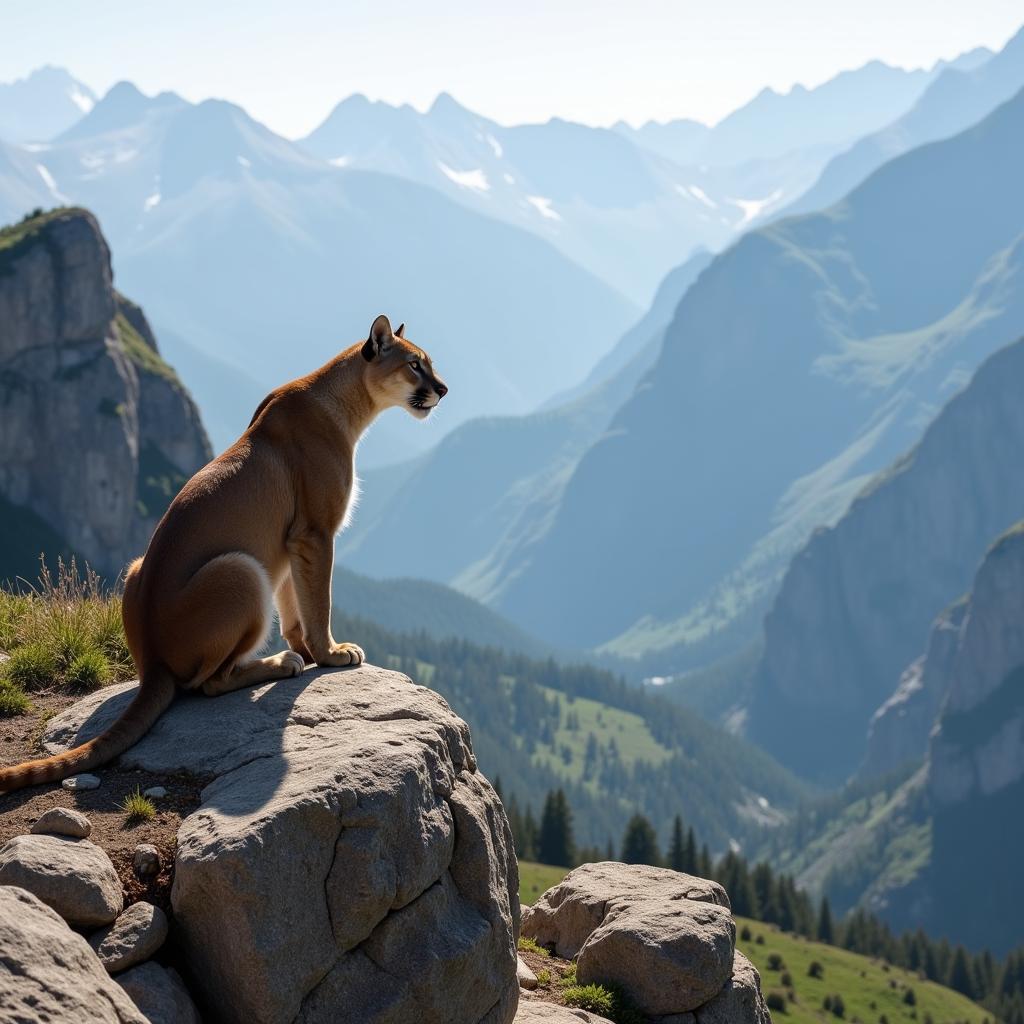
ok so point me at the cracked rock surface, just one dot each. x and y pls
(347, 863)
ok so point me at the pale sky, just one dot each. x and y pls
(519, 60)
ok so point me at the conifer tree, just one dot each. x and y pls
(825, 931)
(640, 842)
(677, 848)
(555, 844)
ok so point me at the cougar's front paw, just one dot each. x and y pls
(342, 655)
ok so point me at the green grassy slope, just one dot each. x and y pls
(870, 989)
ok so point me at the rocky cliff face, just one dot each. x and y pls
(857, 603)
(977, 749)
(98, 432)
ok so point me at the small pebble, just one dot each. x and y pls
(81, 782)
(155, 792)
(62, 821)
(146, 862)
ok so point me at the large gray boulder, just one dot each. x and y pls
(49, 973)
(72, 876)
(347, 863)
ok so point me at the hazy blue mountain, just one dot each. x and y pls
(802, 360)
(494, 482)
(837, 112)
(270, 259)
(959, 97)
(623, 212)
(42, 105)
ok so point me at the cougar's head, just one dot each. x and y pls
(399, 372)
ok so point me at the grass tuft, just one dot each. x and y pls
(13, 701)
(137, 808)
(530, 946)
(594, 998)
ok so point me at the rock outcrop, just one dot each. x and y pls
(899, 729)
(98, 431)
(665, 938)
(857, 603)
(50, 973)
(347, 863)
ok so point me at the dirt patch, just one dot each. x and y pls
(20, 741)
(548, 990)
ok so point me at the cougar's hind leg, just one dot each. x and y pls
(224, 616)
(252, 673)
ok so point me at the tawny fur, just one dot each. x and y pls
(253, 529)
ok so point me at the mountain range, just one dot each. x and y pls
(838, 112)
(267, 259)
(798, 363)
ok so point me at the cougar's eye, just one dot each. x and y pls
(415, 364)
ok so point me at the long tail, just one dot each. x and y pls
(154, 697)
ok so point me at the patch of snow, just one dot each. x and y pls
(754, 207)
(51, 184)
(80, 100)
(699, 193)
(543, 206)
(509, 180)
(35, 147)
(92, 161)
(151, 201)
(341, 161)
(475, 180)
(496, 146)
(244, 161)
(762, 802)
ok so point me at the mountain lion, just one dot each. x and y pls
(253, 529)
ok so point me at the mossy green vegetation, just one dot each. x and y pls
(865, 989)
(63, 634)
(144, 357)
(30, 225)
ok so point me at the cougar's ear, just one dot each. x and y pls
(379, 339)
(400, 333)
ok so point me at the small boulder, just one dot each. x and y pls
(50, 973)
(62, 821)
(740, 1001)
(81, 782)
(527, 979)
(73, 876)
(146, 861)
(548, 1013)
(135, 936)
(155, 792)
(160, 994)
(566, 914)
(668, 956)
